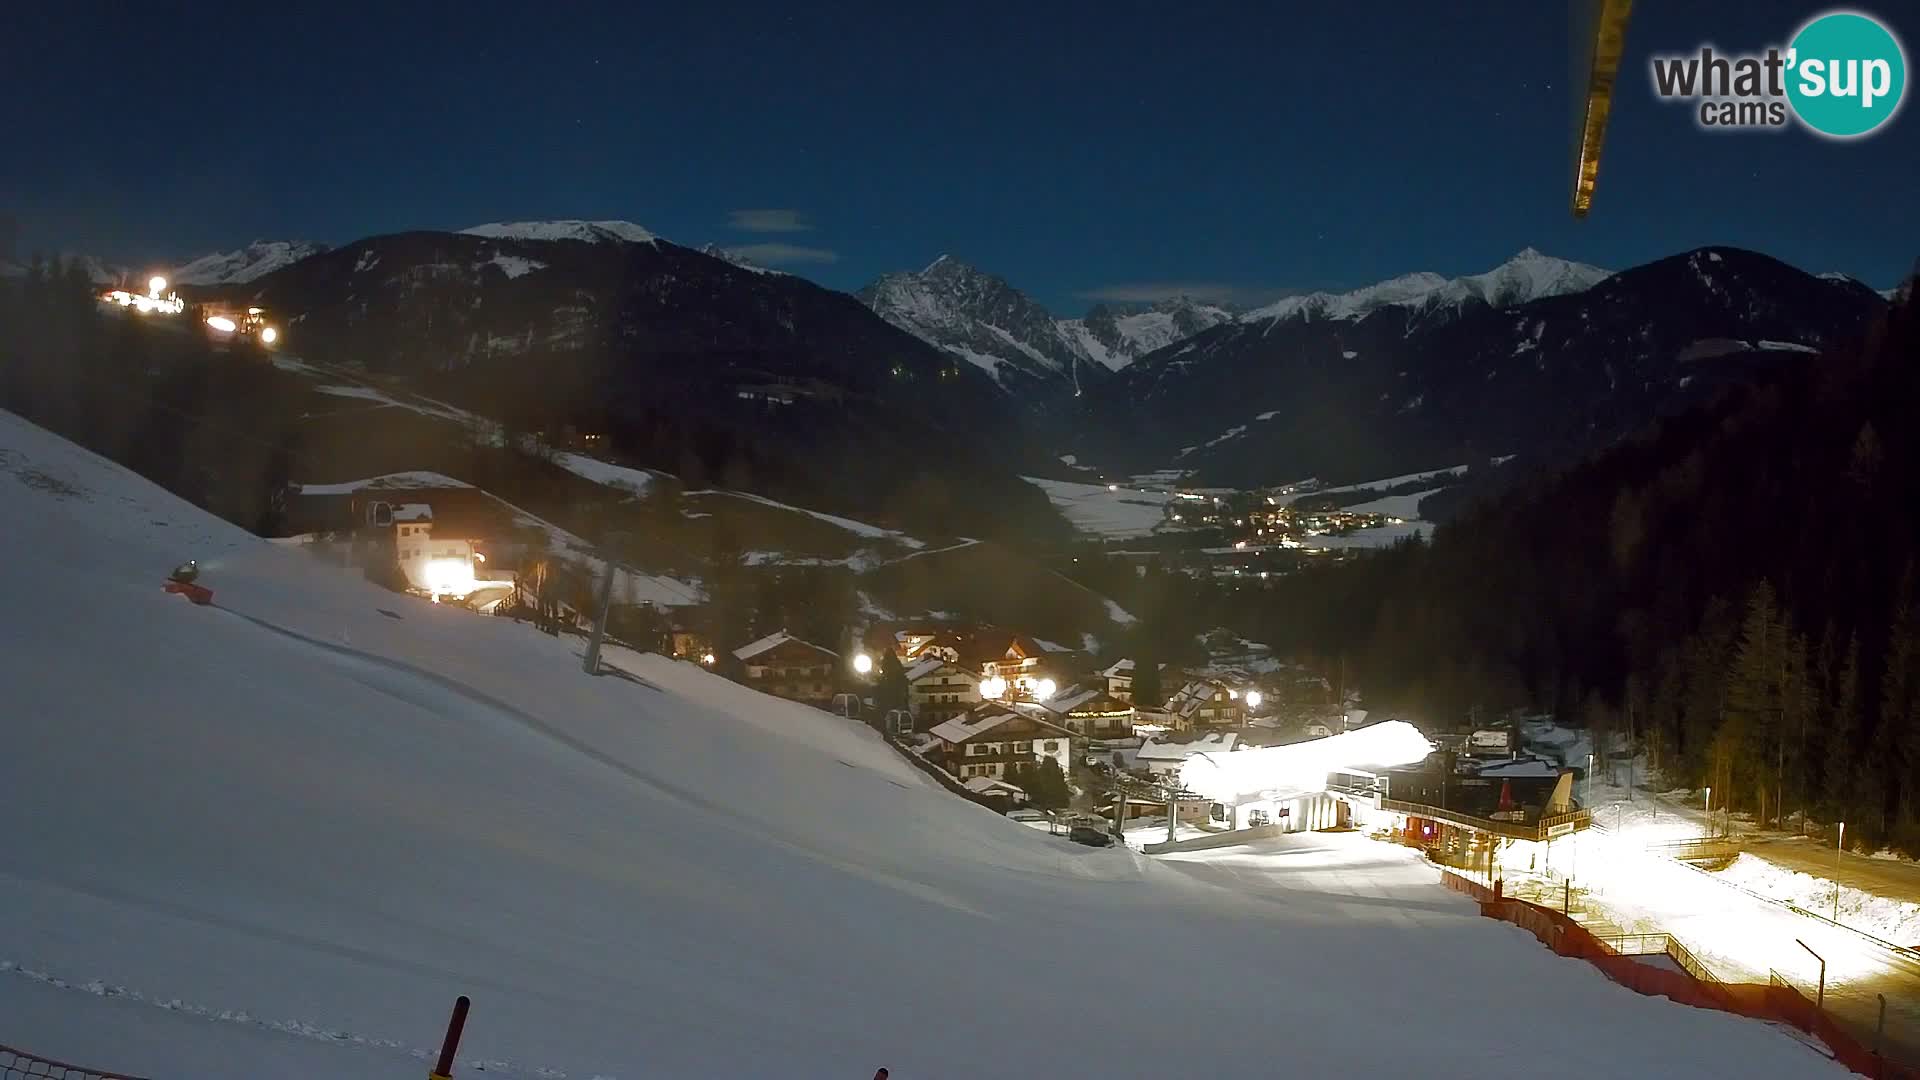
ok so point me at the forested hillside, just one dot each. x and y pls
(1737, 584)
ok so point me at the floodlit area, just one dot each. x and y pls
(275, 837)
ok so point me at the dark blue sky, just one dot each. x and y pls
(1077, 149)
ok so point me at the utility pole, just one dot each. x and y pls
(1173, 811)
(602, 604)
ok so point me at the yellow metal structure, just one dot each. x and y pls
(1603, 68)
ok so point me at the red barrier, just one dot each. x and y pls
(1777, 1004)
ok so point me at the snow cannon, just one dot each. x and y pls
(184, 582)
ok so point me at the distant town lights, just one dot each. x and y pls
(156, 285)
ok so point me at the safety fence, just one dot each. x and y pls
(1777, 1001)
(20, 1065)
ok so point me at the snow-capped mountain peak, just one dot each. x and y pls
(592, 232)
(256, 260)
(1527, 276)
(715, 251)
(1115, 337)
(978, 317)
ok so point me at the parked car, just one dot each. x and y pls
(1090, 836)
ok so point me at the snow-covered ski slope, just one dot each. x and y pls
(277, 836)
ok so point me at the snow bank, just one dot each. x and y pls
(1886, 918)
(277, 836)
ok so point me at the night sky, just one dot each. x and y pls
(1078, 149)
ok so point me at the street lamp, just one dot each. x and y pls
(1253, 700)
(1709, 809)
(1044, 689)
(1589, 778)
(862, 663)
(1839, 845)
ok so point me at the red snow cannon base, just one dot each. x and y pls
(199, 594)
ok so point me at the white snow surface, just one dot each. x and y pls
(858, 528)
(1885, 917)
(1527, 276)
(1091, 508)
(637, 481)
(287, 830)
(1290, 498)
(1400, 506)
(515, 266)
(256, 260)
(592, 232)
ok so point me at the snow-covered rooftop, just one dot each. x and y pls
(1168, 750)
(772, 641)
(966, 726)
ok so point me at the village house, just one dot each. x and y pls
(939, 690)
(785, 666)
(1163, 756)
(1205, 703)
(997, 742)
(1094, 713)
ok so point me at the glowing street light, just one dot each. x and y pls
(269, 335)
(1253, 699)
(1709, 809)
(222, 324)
(707, 659)
(156, 285)
(1044, 689)
(993, 687)
(862, 663)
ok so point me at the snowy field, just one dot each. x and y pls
(1886, 918)
(276, 837)
(1401, 506)
(1111, 514)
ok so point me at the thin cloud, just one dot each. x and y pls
(1218, 292)
(769, 221)
(783, 254)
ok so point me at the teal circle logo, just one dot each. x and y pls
(1846, 74)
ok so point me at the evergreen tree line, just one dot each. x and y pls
(1734, 588)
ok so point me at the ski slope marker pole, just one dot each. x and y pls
(444, 1070)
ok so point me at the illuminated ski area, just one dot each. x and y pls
(1285, 771)
(275, 837)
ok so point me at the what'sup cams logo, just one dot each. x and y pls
(1842, 76)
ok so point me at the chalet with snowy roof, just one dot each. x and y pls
(938, 691)
(1093, 712)
(1119, 676)
(785, 666)
(1164, 755)
(1205, 703)
(1000, 743)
